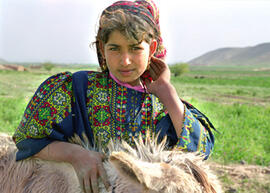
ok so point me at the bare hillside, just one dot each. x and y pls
(255, 55)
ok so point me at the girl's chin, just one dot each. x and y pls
(130, 82)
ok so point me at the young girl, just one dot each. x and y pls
(132, 94)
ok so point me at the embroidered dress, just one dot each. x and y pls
(94, 104)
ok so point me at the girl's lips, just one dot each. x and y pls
(126, 72)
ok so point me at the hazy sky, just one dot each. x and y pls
(61, 30)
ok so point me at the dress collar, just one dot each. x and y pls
(139, 88)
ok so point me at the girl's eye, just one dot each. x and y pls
(136, 48)
(113, 49)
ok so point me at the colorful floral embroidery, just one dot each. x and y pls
(193, 136)
(113, 112)
(51, 102)
(125, 112)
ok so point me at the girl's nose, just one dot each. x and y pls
(126, 59)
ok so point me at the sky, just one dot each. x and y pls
(62, 30)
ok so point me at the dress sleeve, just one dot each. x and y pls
(47, 113)
(196, 132)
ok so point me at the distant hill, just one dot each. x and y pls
(255, 55)
(3, 61)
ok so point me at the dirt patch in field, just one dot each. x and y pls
(243, 178)
(250, 100)
(231, 99)
(261, 69)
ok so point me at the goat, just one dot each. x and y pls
(148, 167)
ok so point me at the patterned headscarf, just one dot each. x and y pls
(145, 9)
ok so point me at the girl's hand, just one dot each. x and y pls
(160, 73)
(165, 91)
(88, 166)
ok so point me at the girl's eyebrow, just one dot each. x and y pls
(132, 45)
(114, 45)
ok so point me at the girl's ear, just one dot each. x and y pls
(153, 47)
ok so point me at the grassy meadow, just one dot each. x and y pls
(236, 100)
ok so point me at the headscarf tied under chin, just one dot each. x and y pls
(145, 9)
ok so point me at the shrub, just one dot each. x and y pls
(48, 66)
(179, 68)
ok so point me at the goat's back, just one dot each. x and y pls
(33, 175)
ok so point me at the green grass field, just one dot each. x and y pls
(236, 99)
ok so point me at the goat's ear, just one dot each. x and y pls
(201, 177)
(126, 166)
(146, 173)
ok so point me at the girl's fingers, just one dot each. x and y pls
(160, 64)
(103, 176)
(94, 182)
(153, 74)
(81, 181)
(154, 67)
(154, 70)
(87, 187)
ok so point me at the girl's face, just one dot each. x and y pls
(126, 59)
